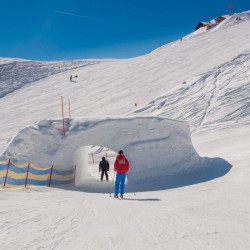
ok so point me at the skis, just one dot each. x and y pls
(117, 198)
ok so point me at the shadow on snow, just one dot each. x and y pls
(211, 168)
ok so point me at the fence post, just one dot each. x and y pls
(75, 176)
(6, 173)
(27, 175)
(93, 159)
(50, 175)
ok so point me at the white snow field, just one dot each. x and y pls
(203, 81)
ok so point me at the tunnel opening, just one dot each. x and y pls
(87, 159)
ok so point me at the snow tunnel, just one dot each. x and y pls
(154, 146)
(87, 159)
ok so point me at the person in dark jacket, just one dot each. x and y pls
(104, 167)
(121, 168)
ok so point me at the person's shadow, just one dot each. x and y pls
(136, 199)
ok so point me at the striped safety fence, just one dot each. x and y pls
(14, 175)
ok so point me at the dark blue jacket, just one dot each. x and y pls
(104, 165)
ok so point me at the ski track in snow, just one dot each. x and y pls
(146, 220)
(222, 95)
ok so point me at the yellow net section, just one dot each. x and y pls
(38, 168)
(17, 176)
(7, 185)
(3, 173)
(36, 177)
(4, 161)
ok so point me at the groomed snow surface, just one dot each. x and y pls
(183, 192)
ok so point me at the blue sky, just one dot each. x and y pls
(83, 29)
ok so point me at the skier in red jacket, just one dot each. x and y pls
(121, 168)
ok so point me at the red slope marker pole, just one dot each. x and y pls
(63, 117)
(230, 7)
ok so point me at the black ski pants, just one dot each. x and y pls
(106, 174)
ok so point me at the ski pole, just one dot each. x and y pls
(126, 180)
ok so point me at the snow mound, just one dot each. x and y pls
(155, 147)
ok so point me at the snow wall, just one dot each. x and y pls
(154, 146)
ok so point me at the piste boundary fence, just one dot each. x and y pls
(15, 175)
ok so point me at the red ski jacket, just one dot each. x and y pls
(121, 164)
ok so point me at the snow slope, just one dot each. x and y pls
(209, 215)
(16, 73)
(219, 97)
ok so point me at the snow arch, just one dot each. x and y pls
(155, 146)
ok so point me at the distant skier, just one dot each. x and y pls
(121, 167)
(71, 78)
(104, 167)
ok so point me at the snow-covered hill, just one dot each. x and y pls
(16, 73)
(204, 80)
